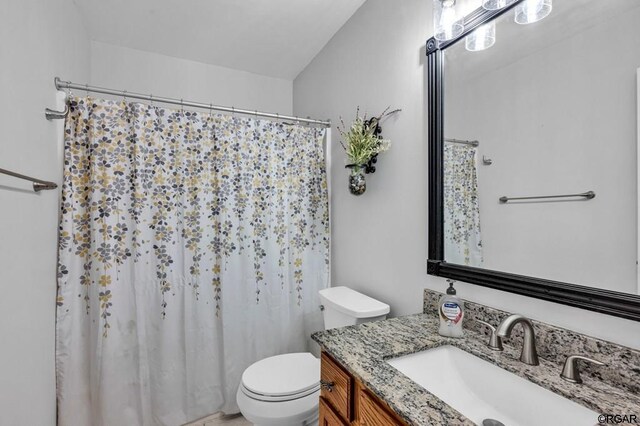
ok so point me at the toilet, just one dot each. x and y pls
(284, 390)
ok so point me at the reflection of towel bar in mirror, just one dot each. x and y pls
(463, 142)
(587, 195)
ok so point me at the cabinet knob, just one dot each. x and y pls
(327, 385)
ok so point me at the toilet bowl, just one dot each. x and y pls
(284, 390)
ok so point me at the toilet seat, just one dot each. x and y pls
(282, 377)
(283, 398)
(283, 390)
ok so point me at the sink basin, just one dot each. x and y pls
(481, 390)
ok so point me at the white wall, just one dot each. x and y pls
(377, 60)
(380, 238)
(40, 40)
(144, 72)
(543, 127)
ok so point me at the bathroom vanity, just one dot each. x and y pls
(362, 387)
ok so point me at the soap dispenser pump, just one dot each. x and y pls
(451, 312)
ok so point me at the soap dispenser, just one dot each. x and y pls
(451, 312)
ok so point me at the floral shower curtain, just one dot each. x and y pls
(463, 240)
(191, 245)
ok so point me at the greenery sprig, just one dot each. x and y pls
(363, 140)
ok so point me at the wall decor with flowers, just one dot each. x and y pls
(363, 142)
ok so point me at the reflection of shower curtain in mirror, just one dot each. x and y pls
(462, 238)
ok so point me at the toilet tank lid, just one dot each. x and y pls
(352, 303)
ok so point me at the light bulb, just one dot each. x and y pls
(530, 11)
(496, 4)
(447, 23)
(481, 38)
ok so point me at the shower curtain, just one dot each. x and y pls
(462, 237)
(190, 246)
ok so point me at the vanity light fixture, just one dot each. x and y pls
(496, 4)
(481, 38)
(447, 23)
(530, 11)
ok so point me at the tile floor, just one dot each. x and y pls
(221, 420)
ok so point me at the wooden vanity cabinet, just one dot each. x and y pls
(345, 401)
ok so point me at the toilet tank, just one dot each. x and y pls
(343, 306)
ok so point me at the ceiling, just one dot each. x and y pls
(276, 38)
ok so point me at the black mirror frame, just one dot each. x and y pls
(593, 299)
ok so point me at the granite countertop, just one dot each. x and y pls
(363, 350)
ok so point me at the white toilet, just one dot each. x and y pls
(283, 390)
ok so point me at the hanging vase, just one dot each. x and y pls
(357, 182)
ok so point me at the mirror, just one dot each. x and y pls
(535, 149)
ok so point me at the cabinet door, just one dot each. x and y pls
(337, 388)
(328, 417)
(371, 413)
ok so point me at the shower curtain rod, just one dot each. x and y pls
(60, 85)
(463, 142)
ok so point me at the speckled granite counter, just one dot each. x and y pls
(363, 350)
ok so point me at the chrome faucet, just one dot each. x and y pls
(529, 354)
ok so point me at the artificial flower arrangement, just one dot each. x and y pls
(362, 143)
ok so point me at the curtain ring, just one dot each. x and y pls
(182, 105)
(233, 111)
(124, 95)
(87, 88)
(256, 113)
(210, 110)
(151, 98)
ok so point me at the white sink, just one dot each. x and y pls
(481, 390)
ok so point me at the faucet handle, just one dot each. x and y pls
(570, 371)
(495, 341)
